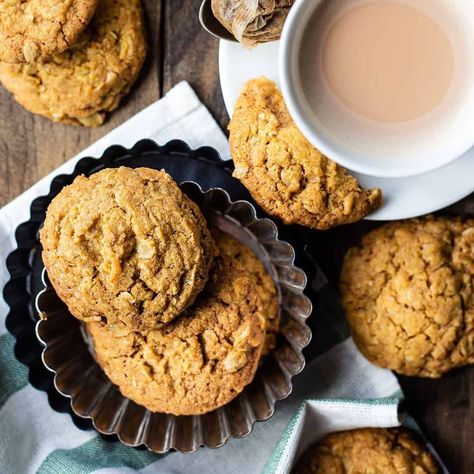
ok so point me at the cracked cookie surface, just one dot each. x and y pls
(285, 174)
(89, 79)
(263, 282)
(367, 451)
(409, 297)
(32, 30)
(126, 245)
(200, 361)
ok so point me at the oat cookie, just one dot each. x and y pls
(32, 30)
(81, 84)
(126, 245)
(268, 298)
(367, 451)
(200, 361)
(409, 297)
(284, 173)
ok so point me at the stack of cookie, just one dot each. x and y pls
(71, 61)
(180, 315)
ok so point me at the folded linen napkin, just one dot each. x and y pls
(316, 418)
(35, 438)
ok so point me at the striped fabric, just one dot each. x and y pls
(315, 418)
(35, 438)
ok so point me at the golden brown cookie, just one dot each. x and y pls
(285, 174)
(126, 245)
(367, 451)
(268, 298)
(81, 84)
(200, 361)
(33, 30)
(409, 297)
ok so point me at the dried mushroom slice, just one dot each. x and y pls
(252, 21)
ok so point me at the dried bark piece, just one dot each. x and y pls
(252, 21)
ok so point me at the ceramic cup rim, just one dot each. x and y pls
(288, 78)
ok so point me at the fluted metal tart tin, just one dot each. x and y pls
(92, 395)
(202, 166)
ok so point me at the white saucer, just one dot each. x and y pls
(403, 197)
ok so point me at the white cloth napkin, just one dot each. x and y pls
(317, 418)
(35, 438)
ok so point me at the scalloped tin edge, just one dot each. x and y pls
(26, 242)
(251, 219)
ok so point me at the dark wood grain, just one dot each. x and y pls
(191, 54)
(445, 411)
(31, 147)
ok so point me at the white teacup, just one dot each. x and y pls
(367, 146)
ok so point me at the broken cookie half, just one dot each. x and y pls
(285, 174)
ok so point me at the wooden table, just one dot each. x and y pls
(31, 147)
